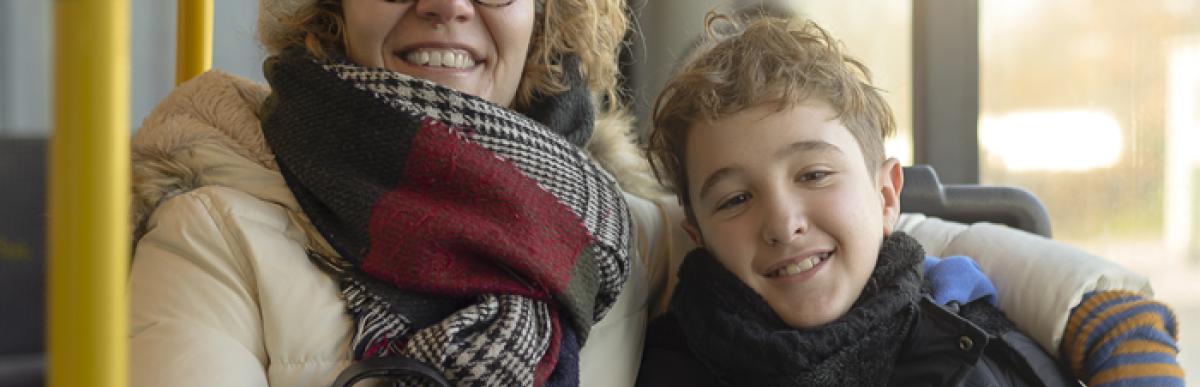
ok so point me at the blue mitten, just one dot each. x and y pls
(958, 279)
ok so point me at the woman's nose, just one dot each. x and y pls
(785, 221)
(445, 11)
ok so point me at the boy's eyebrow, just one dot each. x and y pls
(806, 146)
(790, 149)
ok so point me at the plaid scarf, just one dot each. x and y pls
(477, 240)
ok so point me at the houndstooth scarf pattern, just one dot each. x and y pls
(352, 140)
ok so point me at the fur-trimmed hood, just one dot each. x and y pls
(207, 132)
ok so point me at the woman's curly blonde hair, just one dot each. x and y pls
(593, 30)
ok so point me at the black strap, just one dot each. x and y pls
(392, 367)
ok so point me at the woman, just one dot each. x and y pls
(274, 225)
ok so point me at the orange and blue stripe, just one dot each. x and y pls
(1121, 339)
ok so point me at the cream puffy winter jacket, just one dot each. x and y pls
(223, 293)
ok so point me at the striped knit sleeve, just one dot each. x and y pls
(1121, 339)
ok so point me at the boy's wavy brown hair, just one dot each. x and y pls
(758, 58)
(593, 30)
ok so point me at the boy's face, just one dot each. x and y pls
(785, 201)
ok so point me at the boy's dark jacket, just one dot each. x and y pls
(719, 332)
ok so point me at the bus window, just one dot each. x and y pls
(1095, 107)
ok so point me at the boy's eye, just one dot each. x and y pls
(815, 176)
(733, 201)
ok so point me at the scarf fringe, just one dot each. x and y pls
(378, 328)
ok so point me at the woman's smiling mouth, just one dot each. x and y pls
(439, 57)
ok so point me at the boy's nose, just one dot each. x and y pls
(786, 223)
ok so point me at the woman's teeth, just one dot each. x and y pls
(800, 266)
(440, 58)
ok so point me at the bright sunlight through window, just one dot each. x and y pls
(1068, 140)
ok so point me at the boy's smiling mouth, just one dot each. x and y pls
(798, 266)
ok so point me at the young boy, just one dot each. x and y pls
(772, 139)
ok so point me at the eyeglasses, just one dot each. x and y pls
(493, 3)
(486, 3)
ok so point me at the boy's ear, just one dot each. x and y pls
(891, 182)
(692, 232)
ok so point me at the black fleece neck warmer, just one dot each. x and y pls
(736, 334)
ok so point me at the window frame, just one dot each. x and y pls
(946, 88)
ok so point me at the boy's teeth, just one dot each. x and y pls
(440, 58)
(798, 267)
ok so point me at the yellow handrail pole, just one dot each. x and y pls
(88, 241)
(193, 39)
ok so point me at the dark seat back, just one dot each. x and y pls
(1011, 206)
(22, 261)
